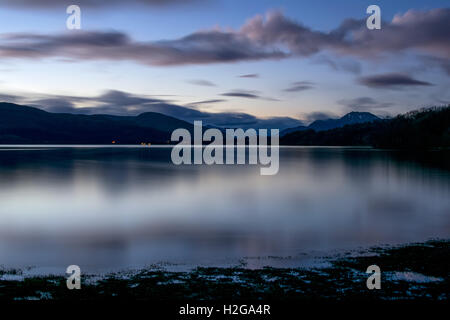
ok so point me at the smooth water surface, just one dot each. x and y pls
(106, 208)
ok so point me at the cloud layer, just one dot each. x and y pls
(242, 94)
(247, 95)
(271, 37)
(200, 82)
(391, 80)
(251, 75)
(300, 86)
(364, 104)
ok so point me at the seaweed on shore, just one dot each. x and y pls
(409, 272)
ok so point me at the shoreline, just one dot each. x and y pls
(415, 271)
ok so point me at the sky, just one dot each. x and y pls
(260, 63)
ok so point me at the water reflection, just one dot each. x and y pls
(109, 208)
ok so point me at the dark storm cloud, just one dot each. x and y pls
(247, 95)
(318, 115)
(391, 80)
(242, 94)
(364, 104)
(299, 86)
(87, 3)
(251, 75)
(207, 102)
(270, 37)
(204, 83)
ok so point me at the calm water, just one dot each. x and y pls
(111, 208)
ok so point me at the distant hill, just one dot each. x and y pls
(349, 118)
(28, 125)
(289, 130)
(426, 128)
(328, 124)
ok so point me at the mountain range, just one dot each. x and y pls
(428, 128)
(28, 125)
(422, 129)
(328, 124)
